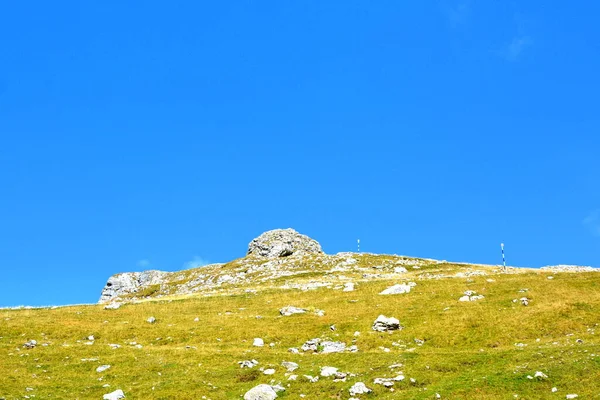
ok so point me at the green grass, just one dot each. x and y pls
(469, 350)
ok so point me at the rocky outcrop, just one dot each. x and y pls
(129, 282)
(283, 243)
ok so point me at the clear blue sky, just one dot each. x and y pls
(159, 135)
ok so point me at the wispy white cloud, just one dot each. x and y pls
(516, 47)
(195, 263)
(458, 13)
(143, 263)
(592, 222)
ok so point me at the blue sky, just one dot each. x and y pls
(154, 135)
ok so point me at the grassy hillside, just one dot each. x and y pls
(483, 349)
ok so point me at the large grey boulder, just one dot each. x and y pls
(261, 392)
(129, 282)
(283, 243)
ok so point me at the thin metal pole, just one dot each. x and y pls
(358, 244)
(503, 259)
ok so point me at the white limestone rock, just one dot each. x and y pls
(332, 347)
(116, 395)
(248, 363)
(291, 310)
(328, 371)
(102, 368)
(384, 324)
(261, 392)
(283, 243)
(359, 388)
(311, 345)
(289, 366)
(129, 283)
(348, 287)
(258, 342)
(470, 295)
(397, 289)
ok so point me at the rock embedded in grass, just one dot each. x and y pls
(470, 295)
(261, 392)
(397, 289)
(291, 310)
(258, 342)
(359, 388)
(348, 287)
(30, 344)
(116, 395)
(151, 320)
(384, 324)
(102, 368)
(248, 363)
(290, 366)
(328, 371)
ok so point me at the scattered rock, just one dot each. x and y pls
(116, 395)
(384, 324)
(30, 344)
(525, 301)
(397, 289)
(112, 306)
(359, 388)
(102, 368)
(311, 345)
(151, 320)
(470, 295)
(348, 287)
(540, 374)
(572, 396)
(290, 366)
(328, 371)
(269, 371)
(290, 310)
(388, 382)
(261, 392)
(283, 243)
(258, 342)
(248, 363)
(332, 347)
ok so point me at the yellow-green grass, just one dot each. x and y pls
(469, 350)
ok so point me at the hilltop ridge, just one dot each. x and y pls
(284, 258)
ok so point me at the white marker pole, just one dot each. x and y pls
(503, 259)
(358, 244)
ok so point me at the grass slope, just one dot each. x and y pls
(469, 349)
